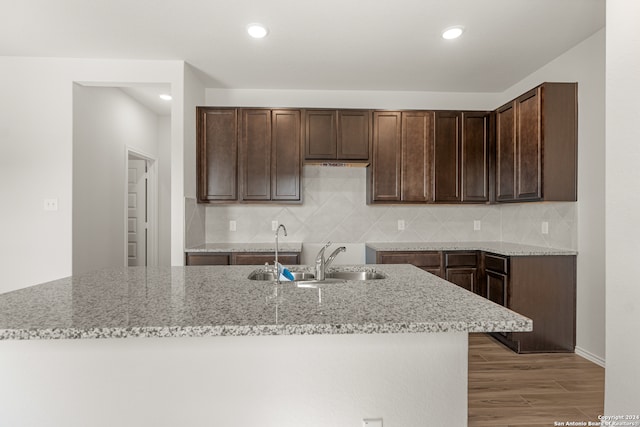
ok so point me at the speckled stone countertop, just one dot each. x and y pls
(247, 247)
(501, 248)
(221, 300)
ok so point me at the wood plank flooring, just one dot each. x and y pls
(530, 390)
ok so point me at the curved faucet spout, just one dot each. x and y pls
(322, 264)
(276, 270)
(333, 256)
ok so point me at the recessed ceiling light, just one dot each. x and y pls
(257, 31)
(452, 32)
(165, 96)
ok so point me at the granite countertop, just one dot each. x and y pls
(247, 247)
(501, 248)
(221, 300)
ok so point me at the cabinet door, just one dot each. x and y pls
(386, 156)
(506, 152)
(200, 258)
(417, 143)
(464, 277)
(447, 157)
(320, 134)
(285, 155)
(252, 258)
(354, 135)
(497, 288)
(529, 147)
(430, 261)
(475, 157)
(255, 151)
(217, 154)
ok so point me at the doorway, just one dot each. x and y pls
(141, 210)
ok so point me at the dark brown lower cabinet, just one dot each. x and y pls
(241, 258)
(462, 269)
(429, 261)
(252, 258)
(463, 277)
(496, 290)
(542, 288)
(203, 258)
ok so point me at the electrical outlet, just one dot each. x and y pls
(51, 204)
(476, 225)
(401, 224)
(372, 422)
(232, 225)
(274, 225)
(545, 227)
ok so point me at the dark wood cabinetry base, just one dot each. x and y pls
(241, 258)
(542, 287)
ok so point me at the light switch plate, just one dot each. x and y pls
(372, 422)
(274, 225)
(545, 227)
(476, 225)
(232, 225)
(401, 224)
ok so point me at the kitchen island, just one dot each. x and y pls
(208, 346)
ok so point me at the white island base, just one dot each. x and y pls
(408, 380)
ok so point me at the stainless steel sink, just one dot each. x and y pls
(355, 275)
(268, 275)
(333, 276)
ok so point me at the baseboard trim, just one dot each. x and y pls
(590, 356)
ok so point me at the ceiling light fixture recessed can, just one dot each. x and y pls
(257, 31)
(452, 32)
(165, 96)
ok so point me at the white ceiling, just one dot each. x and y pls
(313, 44)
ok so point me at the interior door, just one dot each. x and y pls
(137, 213)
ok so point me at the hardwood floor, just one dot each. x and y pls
(530, 390)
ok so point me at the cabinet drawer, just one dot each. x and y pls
(496, 263)
(419, 259)
(461, 259)
(259, 258)
(207, 259)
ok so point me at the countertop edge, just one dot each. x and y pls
(500, 248)
(264, 330)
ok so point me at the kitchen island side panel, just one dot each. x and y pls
(408, 380)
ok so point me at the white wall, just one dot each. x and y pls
(164, 190)
(350, 99)
(106, 122)
(36, 156)
(584, 64)
(622, 375)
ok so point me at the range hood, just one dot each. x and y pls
(336, 163)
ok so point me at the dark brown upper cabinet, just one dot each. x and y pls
(217, 154)
(536, 145)
(402, 157)
(249, 155)
(447, 156)
(461, 157)
(270, 155)
(476, 148)
(337, 135)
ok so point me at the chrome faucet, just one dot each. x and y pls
(322, 264)
(276, 271)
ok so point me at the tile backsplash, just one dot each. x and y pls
(334, 209)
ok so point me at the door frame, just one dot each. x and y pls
(152, 204)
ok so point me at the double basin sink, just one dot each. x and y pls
(330, 276)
